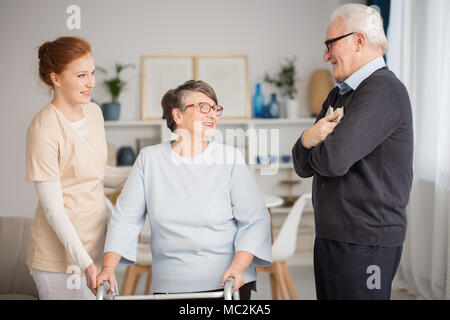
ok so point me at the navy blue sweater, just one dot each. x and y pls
(363, 170)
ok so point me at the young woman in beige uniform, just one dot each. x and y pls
(66, 157)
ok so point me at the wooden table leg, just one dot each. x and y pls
(280, 280)
(273, 286)
(288, 280)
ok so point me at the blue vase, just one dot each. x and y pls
(274, 107)
(258, 102)
(125, 156)
(266, 111)
(286, 158)
(111, 111)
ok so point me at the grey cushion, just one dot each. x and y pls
(15, 278)
(16, 297)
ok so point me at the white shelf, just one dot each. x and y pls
(133, 123)
(222, 122)
(282, 121)
(233, 122)
(125, 132)
(273, 166)
(308, 210)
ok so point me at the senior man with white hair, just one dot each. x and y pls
(360, 153)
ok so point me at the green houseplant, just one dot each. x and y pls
(115, 85)
(285, 81)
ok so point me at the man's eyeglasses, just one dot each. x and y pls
(329, 42)
(205, 107)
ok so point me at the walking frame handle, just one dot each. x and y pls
(102, 289)
(227, 294)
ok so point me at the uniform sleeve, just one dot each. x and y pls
(251, 214)
(115, 177)
(51, 199)
(128, 216)
(42, 154)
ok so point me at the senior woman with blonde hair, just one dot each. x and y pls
(207, 217)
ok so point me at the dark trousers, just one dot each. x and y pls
(352, 271)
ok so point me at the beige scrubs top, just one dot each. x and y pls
(56, 153)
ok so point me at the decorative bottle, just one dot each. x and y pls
(274, 107)
(258, 102)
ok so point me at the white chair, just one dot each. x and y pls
(282, 249)
(143, 259)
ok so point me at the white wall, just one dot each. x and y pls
(266, 30)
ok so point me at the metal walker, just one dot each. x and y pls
(227, 294)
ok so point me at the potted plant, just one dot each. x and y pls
(115, 85)
(285, 82)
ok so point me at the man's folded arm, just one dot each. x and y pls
(372, 118)
(301, 154)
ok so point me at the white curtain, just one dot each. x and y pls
(419, 53)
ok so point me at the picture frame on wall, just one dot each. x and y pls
(160, 73)
(227, 74)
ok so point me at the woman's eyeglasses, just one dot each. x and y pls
(205, 107)
(329, 42)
